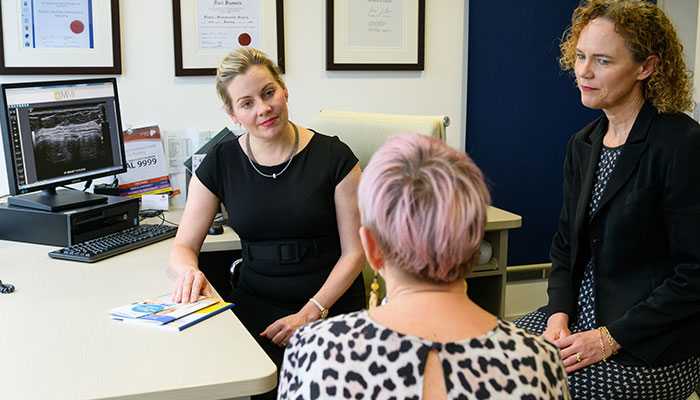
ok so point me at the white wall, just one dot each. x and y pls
(684, 16)
(151, 94)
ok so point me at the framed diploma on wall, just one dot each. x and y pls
(375, 35)
(49, 37)
(206, 30)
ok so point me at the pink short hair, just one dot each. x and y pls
(425, 203)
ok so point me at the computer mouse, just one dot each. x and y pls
(216, 229)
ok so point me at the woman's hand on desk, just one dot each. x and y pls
(189, 285)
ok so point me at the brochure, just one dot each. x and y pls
(162, 312)
(147, 172)
(145, 307)
(172, 313)
(197, 316)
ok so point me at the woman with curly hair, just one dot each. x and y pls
(624, 291)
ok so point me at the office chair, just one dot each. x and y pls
(365, 133)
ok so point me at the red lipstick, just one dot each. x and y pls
(269, 122)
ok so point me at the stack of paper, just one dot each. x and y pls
(146, 169)
(161, 312)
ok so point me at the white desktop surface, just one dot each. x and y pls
(58, 342)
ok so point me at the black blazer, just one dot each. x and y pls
(644, 237)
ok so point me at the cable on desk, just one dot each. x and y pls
(88, 183)
(150, 214)
(6, 288)
(162, 217)
(144, 214)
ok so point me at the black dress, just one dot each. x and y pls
(288, 230)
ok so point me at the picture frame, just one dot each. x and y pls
(200, 48)
(35, 41)
(387, 35)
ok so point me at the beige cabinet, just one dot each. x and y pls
(486, 285)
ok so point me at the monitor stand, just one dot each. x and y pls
(56, 200)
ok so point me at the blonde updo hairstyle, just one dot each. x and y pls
(647, 31)
(238, 62)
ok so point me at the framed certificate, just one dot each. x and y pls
(206, 30)
(375, 34)
(66, 37)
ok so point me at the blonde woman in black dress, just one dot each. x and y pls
(290, 194)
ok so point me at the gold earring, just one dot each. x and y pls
(374, 292)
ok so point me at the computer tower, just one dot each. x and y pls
(68, 227)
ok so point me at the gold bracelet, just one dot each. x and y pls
(602, 344)
(610, 340)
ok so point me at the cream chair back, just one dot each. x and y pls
(367, 132)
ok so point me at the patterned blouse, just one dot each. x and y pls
(353, 357)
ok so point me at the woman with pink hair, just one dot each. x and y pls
(423, 211)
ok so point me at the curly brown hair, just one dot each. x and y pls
(647, 31)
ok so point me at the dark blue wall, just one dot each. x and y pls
(521, 111)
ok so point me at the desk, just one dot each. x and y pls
(58, 342)
(487, 282)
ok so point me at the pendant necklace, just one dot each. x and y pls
(252, 160)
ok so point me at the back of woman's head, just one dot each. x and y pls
(425, 204)
(237, 62)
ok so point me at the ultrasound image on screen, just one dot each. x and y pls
(70, 139)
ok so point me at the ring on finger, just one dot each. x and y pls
(578, 357)
(283, 343)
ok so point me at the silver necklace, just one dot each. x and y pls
(252, 160)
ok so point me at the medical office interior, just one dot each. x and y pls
(492, 70)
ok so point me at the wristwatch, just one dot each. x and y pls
(324, 310)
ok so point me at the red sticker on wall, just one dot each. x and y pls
(77, 27)
(244, 39)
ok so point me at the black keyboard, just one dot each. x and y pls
(115, 243)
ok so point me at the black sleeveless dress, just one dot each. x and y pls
(288, 230)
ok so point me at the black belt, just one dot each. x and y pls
(286, 251)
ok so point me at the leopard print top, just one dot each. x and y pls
(353, 357)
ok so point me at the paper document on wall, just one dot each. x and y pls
(181, 145)
(50, 24)
(226, 25)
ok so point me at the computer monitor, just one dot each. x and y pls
(58, 133)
